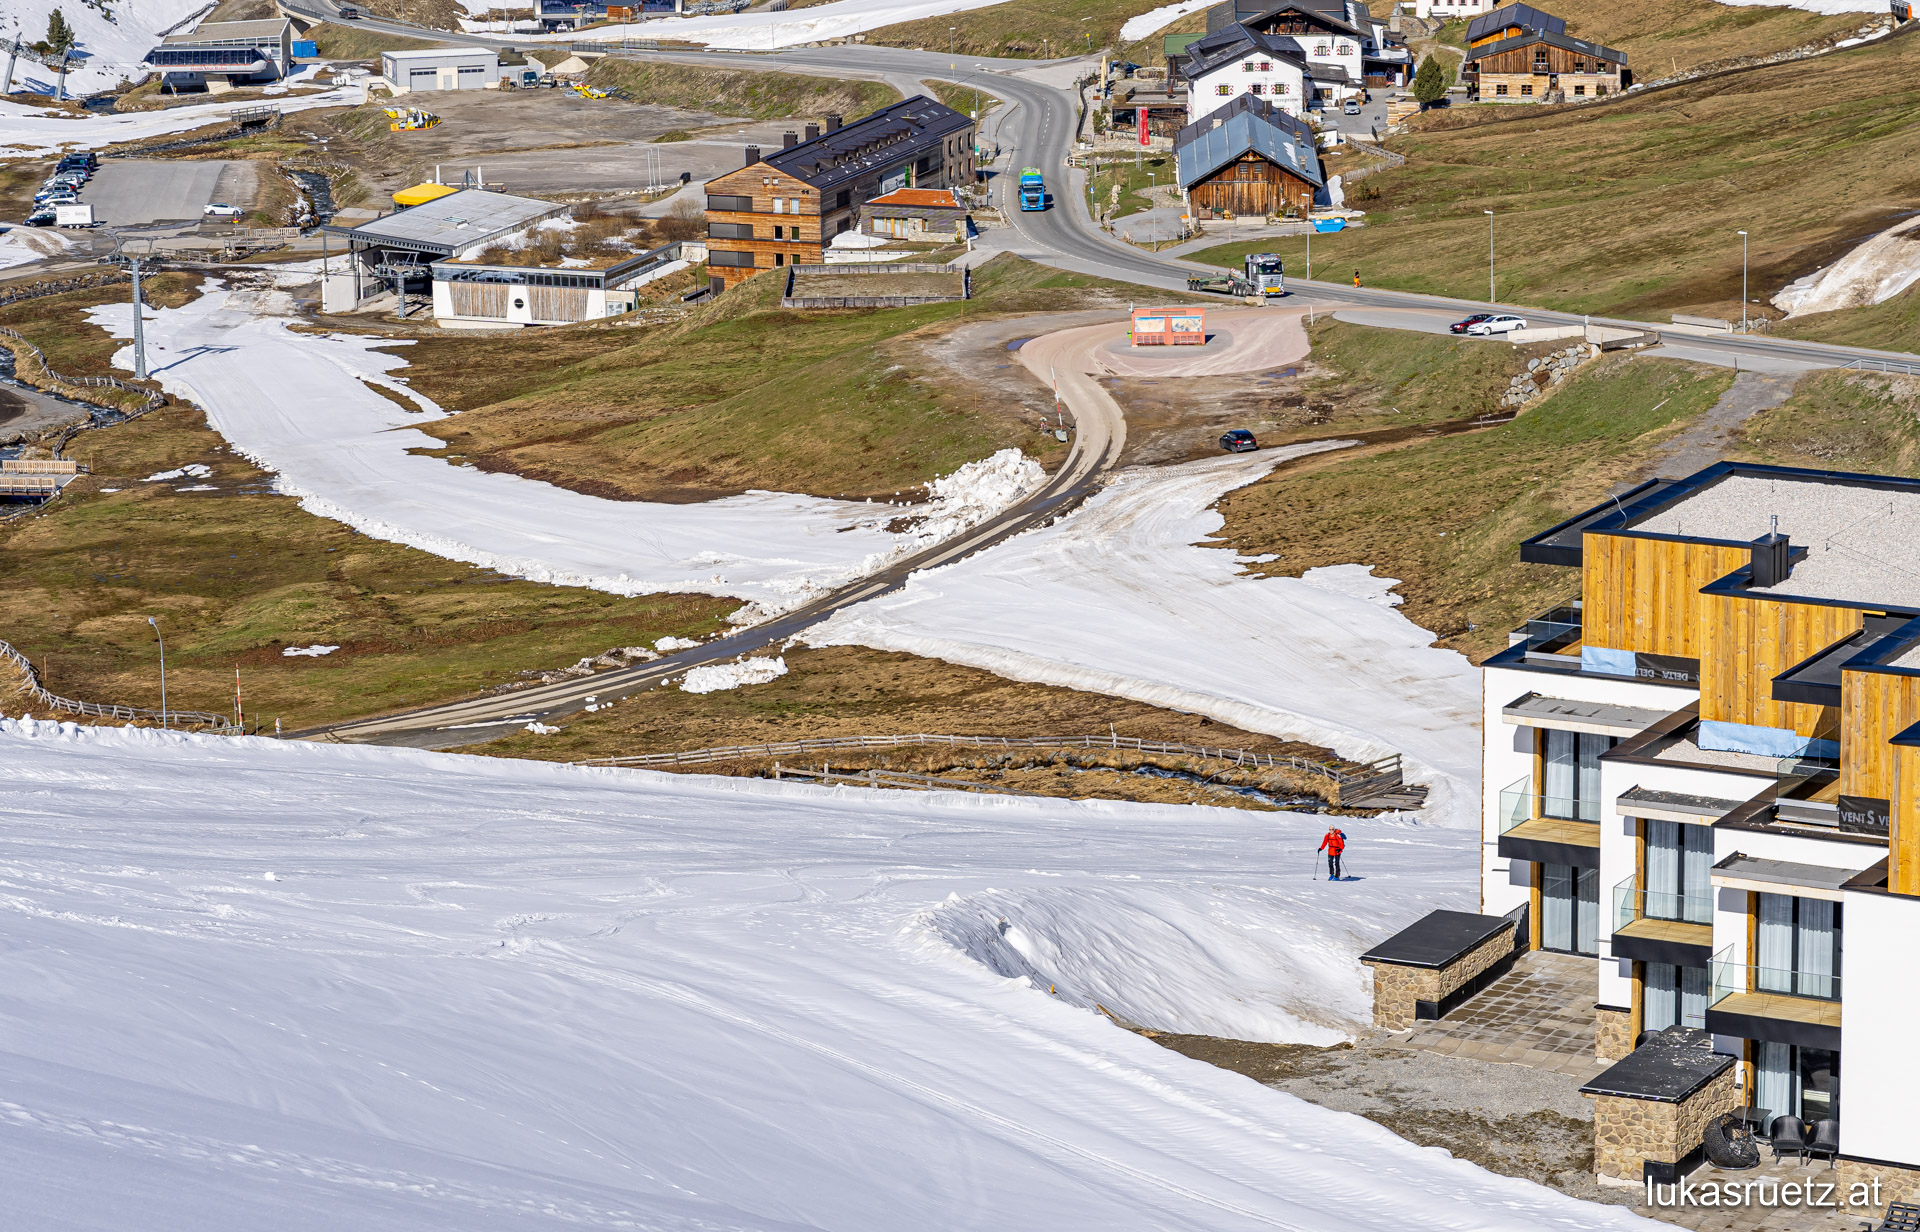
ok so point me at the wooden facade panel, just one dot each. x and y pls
(1252, 186)
(1875, 707)
(478, 299)
(1644, 594)
(1746, 642)
(556, 303)
(1544, 58)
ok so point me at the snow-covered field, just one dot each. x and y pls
(1122, 599)
(249, 984)
(19, 245)
(299, 405)
(34, 132)
(109, 48)
(1137, 28)
(753, 31)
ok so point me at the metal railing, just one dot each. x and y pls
(1732, 976)
(1885, 365)
(30, 685)
(1356, 782)
(151, 397)
(1631, 903)
(1554, 629)
(1520, 803)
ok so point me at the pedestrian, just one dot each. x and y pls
(1356, 278)
(1333, 844)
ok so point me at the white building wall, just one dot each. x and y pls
(1881, 1002)
(1281, 83)
(1730, 906)
(1451, 10)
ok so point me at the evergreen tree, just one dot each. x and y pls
(59, 33)
(1430, 83)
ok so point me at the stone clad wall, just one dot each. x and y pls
(1396, 988)
(1612, 1033)
(1896, 1184)
(1628, 1132)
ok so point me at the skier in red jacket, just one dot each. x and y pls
(1333, 844)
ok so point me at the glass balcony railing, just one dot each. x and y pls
(1731, 976)
(1519, 802)
(1553, 630)
(1631, 903)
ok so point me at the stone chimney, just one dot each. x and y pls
(753, 155)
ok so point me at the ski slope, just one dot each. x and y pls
(35, 132)
(249, 984)
(108, 49)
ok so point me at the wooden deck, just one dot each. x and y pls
(1781, 1006)
(1678, 932)
(1553, 830)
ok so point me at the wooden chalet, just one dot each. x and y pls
(1539, 67)
(1249, 158)
(1511, 21)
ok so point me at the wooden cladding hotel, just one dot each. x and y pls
(786, 208)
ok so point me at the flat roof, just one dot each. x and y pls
(459, 220)
(1784, 873)
(920, 198)
(1667, 1068)
(1853, 533)
(211, 31)
(890, 135)
(1436, 939)
(1595, 718)
(439, 53)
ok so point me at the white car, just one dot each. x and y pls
(1496, 325)
(220, 209)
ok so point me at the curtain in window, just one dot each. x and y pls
(1693, 997)
(1773, 958)
(1775, 1080)
(1817, 949)
(1587, 790)
(1696, 874)
(1660, 998)
(1663, 869)
(1586, 912)
(1557, 786)
(1556, 906)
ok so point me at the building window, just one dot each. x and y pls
(1256, 88)
(776, 232)
(778, 206)
(1247, 67)
(1223, 89)
(1599, 88)
(1678, 879)
(1797, 947)
(1673, 996)
(1793, 1081)
(779, 258)
(1500, 89)
(1527, 89)
(1570, 788)
(1579, 91)
(1266, 66)
(1570, 908)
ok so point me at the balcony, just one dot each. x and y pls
(1767, 1003)
(1662, 927)
(1548, 829)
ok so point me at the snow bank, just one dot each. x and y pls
(195, 470)
(307, 652)
(1871, 273)
(764, 30)
(485, 993)
(1831, 8)
(19, 245)
(298, 404)
(1137, 28)
(34, 132)
(719, 677)
(1123, 598)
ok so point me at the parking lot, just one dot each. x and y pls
(128, 192)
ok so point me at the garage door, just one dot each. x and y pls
(423, 79)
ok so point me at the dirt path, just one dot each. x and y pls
(1705, 442)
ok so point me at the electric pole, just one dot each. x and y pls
(139, 330)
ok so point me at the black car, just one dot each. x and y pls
(1460, 327)
(1238, 441)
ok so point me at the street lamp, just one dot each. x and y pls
(1743, 281)
(163, 670)
(950, 30)
(1491, 297)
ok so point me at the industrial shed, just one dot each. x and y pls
(1248, 158)
(397, 252)
(441, 68)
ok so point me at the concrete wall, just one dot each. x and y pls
(1880, 1006)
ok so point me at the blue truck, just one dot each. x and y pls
(1033, 189)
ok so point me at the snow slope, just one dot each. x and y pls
(112, 48)
(1122, 598)
(300, 405)
(753, 31)
(33, 132)
(249, 984)
(1137, 28)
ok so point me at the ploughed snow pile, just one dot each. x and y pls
(1137, 28)
(298, 405)
(719, 677)
(19, 245)
(307, 652)
(762, 30)
(35, 132)
(1123, 598)
(1871, 273)
(262, 984)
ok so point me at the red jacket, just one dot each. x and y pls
(1334, 843)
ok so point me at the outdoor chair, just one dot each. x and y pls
(1901, 1217)
(1789, 1137)
(1826, 1140)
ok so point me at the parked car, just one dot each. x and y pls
(42, 217)
(1350, 107)
(1238, 441)
(1461, 326)
(49, 200)
(220, 209)
(1501, 324)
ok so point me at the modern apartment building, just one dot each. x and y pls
(1703, 770)
(785, 208)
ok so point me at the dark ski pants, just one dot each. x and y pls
(1333, 864)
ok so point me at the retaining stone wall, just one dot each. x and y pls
(1612, 1033)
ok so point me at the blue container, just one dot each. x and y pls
(1329, 224)
(305, 49)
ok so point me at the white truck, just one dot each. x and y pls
(74, 216)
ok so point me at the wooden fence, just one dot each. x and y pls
(32, 687)
(1355, 782)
